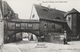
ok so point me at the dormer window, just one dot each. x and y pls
(45, 10)
(57, 18)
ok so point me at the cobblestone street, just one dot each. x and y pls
(25, 46)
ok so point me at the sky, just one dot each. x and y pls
(23, 7)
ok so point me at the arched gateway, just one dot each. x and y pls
(21, 25)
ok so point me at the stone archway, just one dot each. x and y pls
(30, 36)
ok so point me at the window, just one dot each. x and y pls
(23, 25)
(45, 25)
(9, 13)
(69, 18)
(11, 25)
(17, 26)
(29, 26)
(53, 25)
(57, 18)
(49, 33)
(33, 15)
(26, 26)
(35, 26)
(46, 10)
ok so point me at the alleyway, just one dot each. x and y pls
(25, 46)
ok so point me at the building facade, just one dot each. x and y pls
(73, 23)
(51, 22)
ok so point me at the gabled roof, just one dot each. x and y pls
(49, 13)
(71, 12)
(7, 7)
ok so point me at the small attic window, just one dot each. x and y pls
(33, 15)
(57, 18)
(45, 10)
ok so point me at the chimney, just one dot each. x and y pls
(55, 8)
(49, 6)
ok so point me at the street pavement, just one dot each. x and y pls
(32, 46)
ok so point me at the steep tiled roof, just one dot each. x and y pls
(72, 11)
(49, 13)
